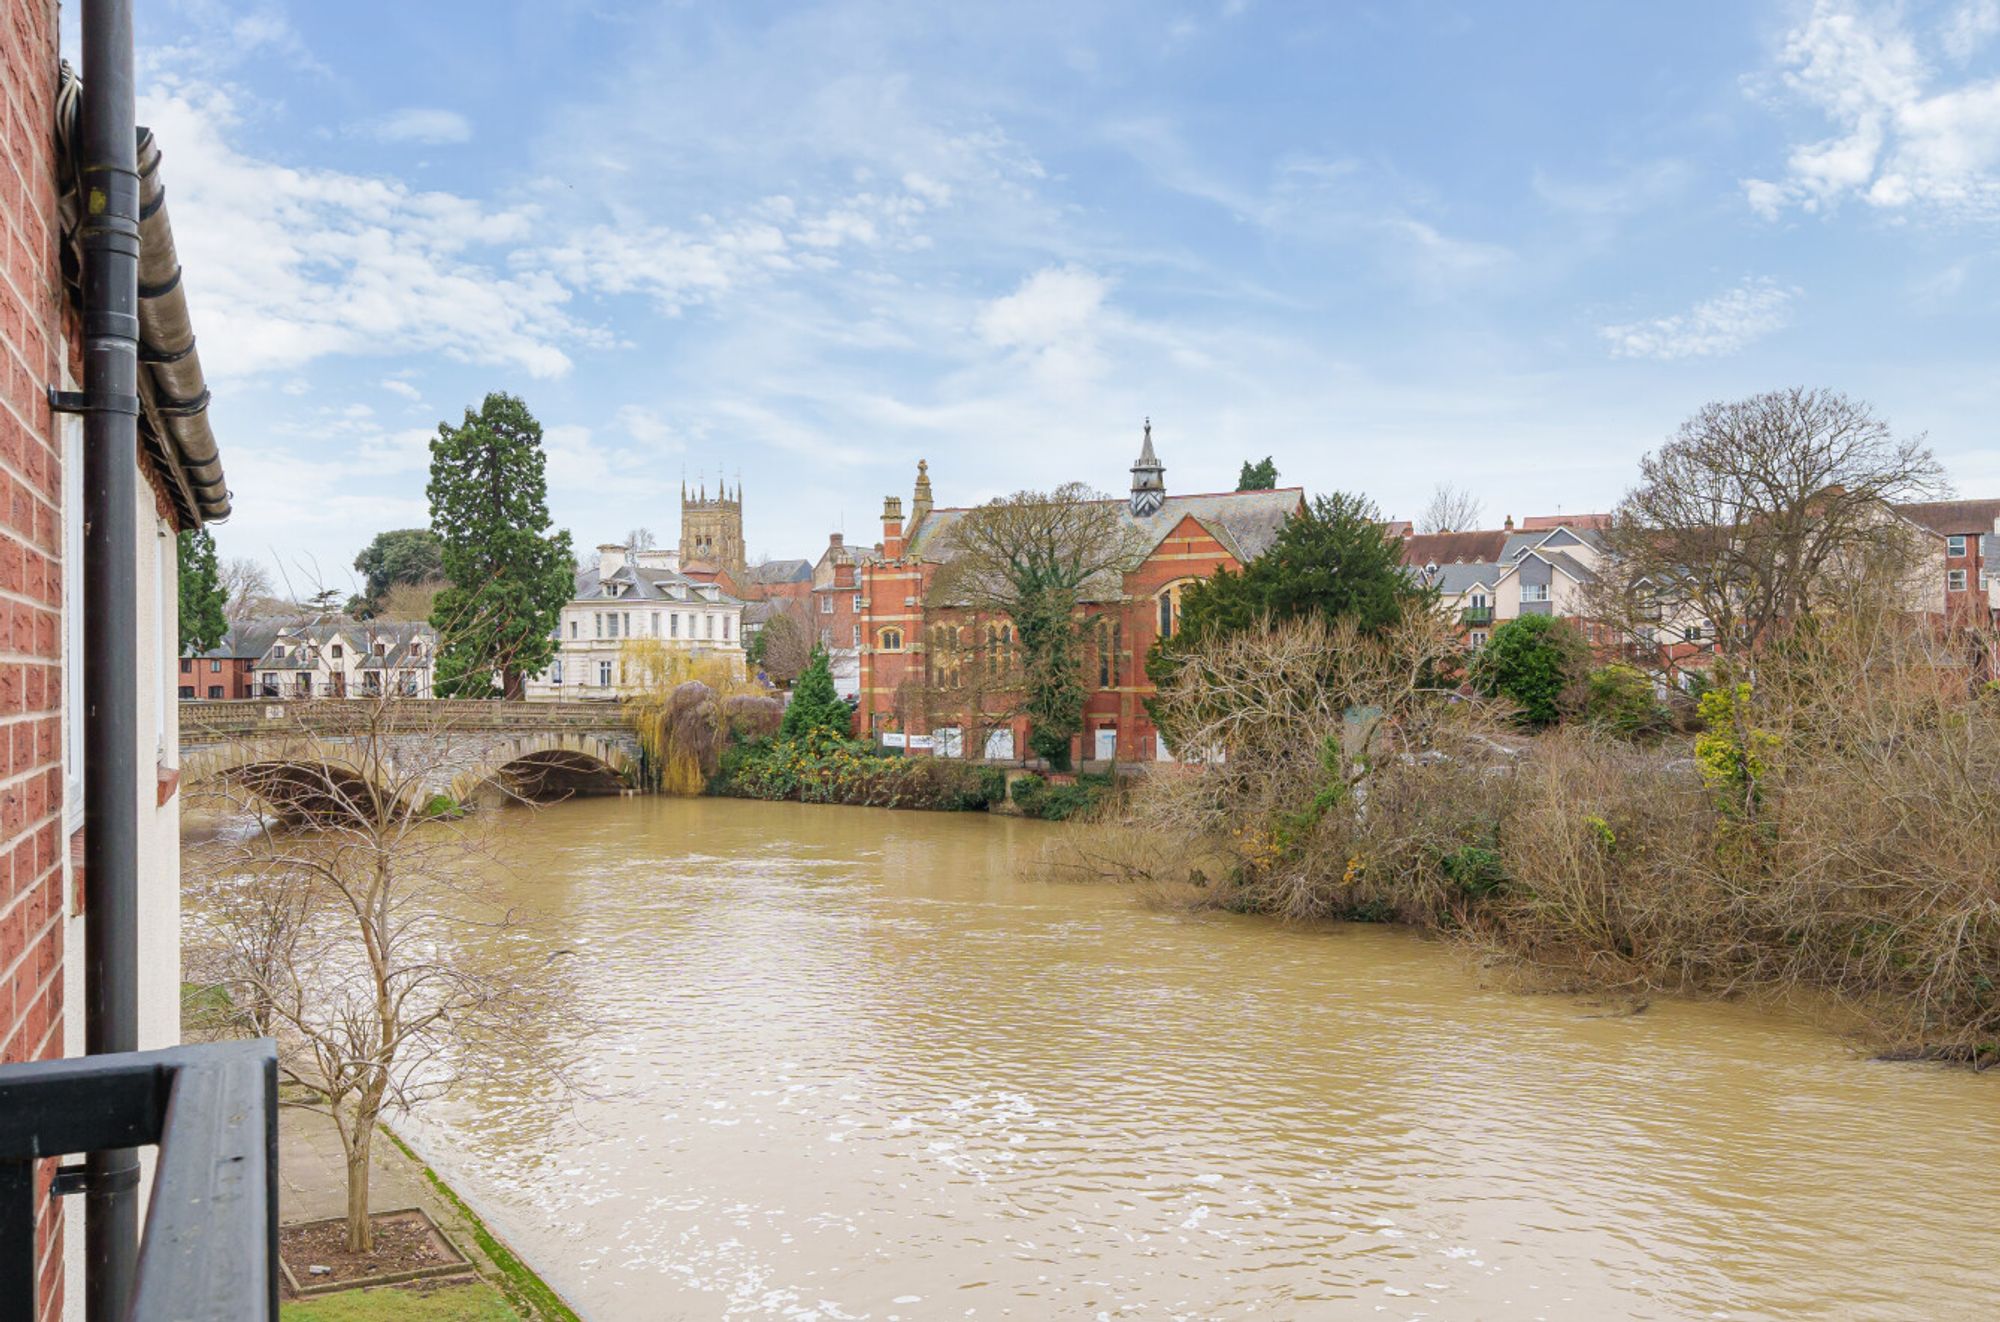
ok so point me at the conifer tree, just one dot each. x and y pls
(510, 573)
(202, 599)
(815, 707)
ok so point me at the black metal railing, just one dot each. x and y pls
(210, 1248)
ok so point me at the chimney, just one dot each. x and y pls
(1509, 525)
(892, 527)
(836, 539)
(610, 559)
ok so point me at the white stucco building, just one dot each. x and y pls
(632, 597)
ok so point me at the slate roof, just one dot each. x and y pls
(1448, 548)
(1952, 516)
(1246, 523)
(780, 571)
(305, 643)
(247, 639)
(634, 583)
(1460, 576)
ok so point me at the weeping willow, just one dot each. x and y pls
(685, 708)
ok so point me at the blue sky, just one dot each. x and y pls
(1391, 244)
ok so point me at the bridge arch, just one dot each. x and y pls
(296, 778)
(550, 765)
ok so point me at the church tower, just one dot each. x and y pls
(712, 529)
(1149, 479)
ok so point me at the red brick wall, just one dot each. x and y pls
(36, 339)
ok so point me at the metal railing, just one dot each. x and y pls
(210, 1249)
(1476, 615)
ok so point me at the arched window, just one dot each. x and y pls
(890, 640)
(1170, 611)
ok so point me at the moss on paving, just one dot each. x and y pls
(476, 1302)
(527, 1290)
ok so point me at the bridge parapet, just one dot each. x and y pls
(208, 722)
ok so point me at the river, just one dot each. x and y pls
(849, 1063)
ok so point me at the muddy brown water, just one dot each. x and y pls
(861, 1064)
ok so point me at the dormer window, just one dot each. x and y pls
(381, 649)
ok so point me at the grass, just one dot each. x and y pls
(529, 1292)
(476, 1302)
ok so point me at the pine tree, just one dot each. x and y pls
(1258, 477)
(203, 618)
(509, 573)
(815, 707)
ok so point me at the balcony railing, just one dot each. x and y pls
(1476, 615)
(210, 1248)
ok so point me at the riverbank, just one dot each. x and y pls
(313, 1186)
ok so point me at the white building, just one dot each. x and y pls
(636, 597)
(343, 658)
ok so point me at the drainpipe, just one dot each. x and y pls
(110, 241)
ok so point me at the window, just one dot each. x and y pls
(381, 649)
(337, 651)
(187, 693)
(857, 601)
(187, 666)
(656, 624)
(1954, 580)
(1954, 545)
(555, 671)
(826, 605)
(725, 628)
(572, 628)
(604, 674)
(417, 648)
(1694, 633)
(215, 690)
(1477, 638)
(708, 626)
(1479, 601)
(890, 640)
(826, 636)
(1170, 611)
(1534, 592)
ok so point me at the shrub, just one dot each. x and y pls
(1058, 802)
(815, 707)
(824, 769)
(1531, 662)
(1619, 700)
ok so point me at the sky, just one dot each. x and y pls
(1507, 246)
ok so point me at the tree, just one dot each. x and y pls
(1451, 509)
(784, 647)
(409, 601)
(1031, 558)
(324, 600)
(247, 584)
(1532, 661)
(1619, 699)
(350, 917)
(203, 619)
(401, 556)
(1334, 560)
(1258, 477)
(815, 708)
(1762, 512)
(509, 572)
(640, 539)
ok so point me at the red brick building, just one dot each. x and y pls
(1968, 528)
(42, 614)
(919, 665)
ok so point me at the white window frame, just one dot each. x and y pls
(604, 674)
(826, 604)
(1954, 545)
(1954, 580)
(1534, 592)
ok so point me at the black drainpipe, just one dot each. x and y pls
(110, 240)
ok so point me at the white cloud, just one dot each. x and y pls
(427, 125)
(1052, 321)
(647, 427)
(398, 386)
(1725, 324)
(1903, 143)
(289, 265)
(1970, 27)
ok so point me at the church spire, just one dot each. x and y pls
(1149, 478)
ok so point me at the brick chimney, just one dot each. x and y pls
(892, 527)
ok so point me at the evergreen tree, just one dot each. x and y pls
(1334, 560)
(509, 572)
(815, 708)
(1258, 477)
(1532, 662)
(203, 598)
(403, 555)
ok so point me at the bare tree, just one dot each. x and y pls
(1032, 559)
(785, 643)
(1762, 512)
(353, 913)
(410, 601)
(245, 582)
(640, 539)
(1451, 508)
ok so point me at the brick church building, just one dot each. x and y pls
(929, 675)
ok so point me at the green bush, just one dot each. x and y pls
(1531, 661)
(824, 769)
(815, 708)
(1619, 700)
(1477, 871)
(1036, 797)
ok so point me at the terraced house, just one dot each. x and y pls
(906, 644)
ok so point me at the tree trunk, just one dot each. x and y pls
(360, 1231)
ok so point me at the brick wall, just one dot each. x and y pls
(36, 340)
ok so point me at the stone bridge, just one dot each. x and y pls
(319, 754)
